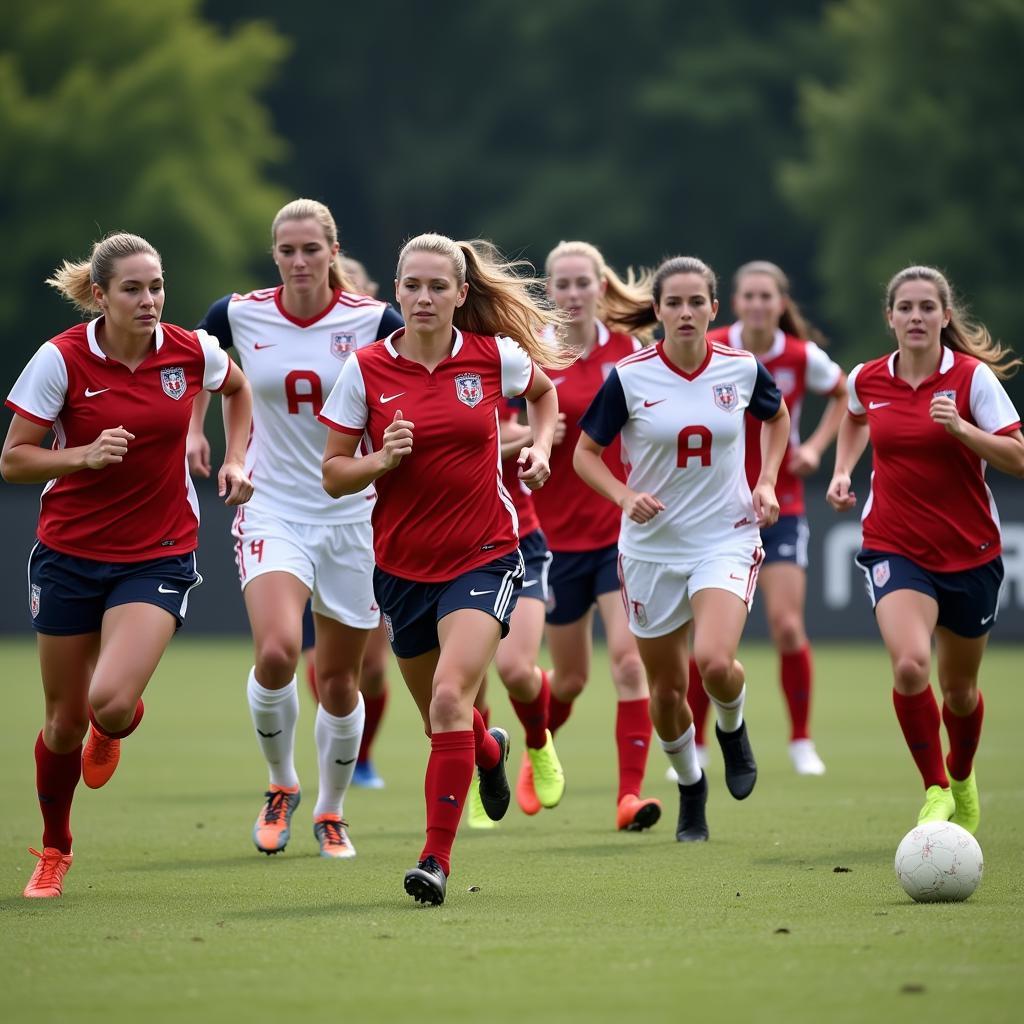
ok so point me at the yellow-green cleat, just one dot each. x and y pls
(938, 805)
(548, 780)
(476, 816)
(965, 798)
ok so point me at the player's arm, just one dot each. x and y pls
(766, 404)
(345, 473)
(24, 462)
(853, 439)
(513, 435)
(542, 415)
(197, 444)
(807, 458)
(233, 483)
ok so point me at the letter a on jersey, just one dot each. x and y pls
(725, 396)
(469, 388)
(173, 380)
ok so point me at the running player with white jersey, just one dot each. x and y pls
(689, 545)
(424, 404)
(936, 416)
(293, 541)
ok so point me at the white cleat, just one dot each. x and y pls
(805, 758)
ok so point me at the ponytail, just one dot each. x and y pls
(75, 280)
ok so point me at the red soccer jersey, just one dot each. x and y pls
(928, 500)
(443, 510)
(522, 496)
(574, 518)
(144, 507)
(797, 367)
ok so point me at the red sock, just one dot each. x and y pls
(311, 679)
(534, 715)
(449, 773)
(632, 737)
(374, 707)
(56, 778)
(964, 734)
(558, 713)
(487, 749)
(919, 719)
(699, 701)
(797, 671)
(140, 710)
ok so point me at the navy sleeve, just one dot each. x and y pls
(216, 323)
(607, 414)
(766, 399)
(390, 322)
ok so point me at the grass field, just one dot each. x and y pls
(170, 914)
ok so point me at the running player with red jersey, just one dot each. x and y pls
(689, 545)
(936, 416)
(115, 561)
(583, 532)
(771, 326)
(293, 542)
(424, 403)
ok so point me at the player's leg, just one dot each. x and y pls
(373, 685)
(476, 814)
(309, 651)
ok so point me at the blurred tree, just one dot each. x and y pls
(120, 115)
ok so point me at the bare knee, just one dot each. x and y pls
(517, 672)
(962, 697)
(568, 684)
(666, 694)
(64, 730)
(716, 669)
(788, 632)
(338, 689)
(372, 679)
(449, 705)
(276, 661)
(910, 672)
(628, 673)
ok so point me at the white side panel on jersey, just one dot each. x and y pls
(217, 362)
(516, 367)
(990, 404)
(822, 374)
(346, 404)
(852, 401)
(42, 387)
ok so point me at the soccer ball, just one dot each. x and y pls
(939, 862)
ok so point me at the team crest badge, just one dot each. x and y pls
(343, 345)
(786, 380)
(880, 573)
(173, 380)
(33, 601)
(469, 388)
(726, 397)
(945, 394)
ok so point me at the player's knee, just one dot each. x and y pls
(446, 706)
(910, 672)
(337, 684)
(65, 730)
(716, 668)
(516, 671)
(628, 669)
(569, 686)
(788, 633)
(276, 661)
(372, 680)
(666, 693)
(962, 698)
(114, 711)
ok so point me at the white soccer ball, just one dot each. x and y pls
(939, 862)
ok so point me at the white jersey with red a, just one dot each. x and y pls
(292, 365)
(683, 439)
(444, 509)
(929, 501)
(145, 506)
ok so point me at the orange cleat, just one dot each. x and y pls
(635, 813)
(47, 880)
(99, 759)
(273, 826)
(332, 835)
(526, 795)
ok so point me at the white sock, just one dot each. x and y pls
(682, 755)
(274, 714)
(337, 746)
(730, 714)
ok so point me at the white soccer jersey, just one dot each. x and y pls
(292, 366)
(683, 439)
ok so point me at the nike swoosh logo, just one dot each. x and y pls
(988, 618)
(269, 735)
(530, 583)
(390, 398)
(166, 590)
(650, 405)
(349, 761)
(258, 346)
(89, 393)
(878, 405)
(479, 593)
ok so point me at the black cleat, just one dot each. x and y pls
(740, 766)
(494, 792)
(426, 882)
(693, 823)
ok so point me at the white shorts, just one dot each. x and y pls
(657, 594)
(334, 561)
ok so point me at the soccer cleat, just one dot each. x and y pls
(939, 805)
(426, 882)
(494, 792)
(476, 816)
(99, 759)
(273, 826)
(635, 813)
(365, 776)
(740, 767)
(548, 779)
(805, 758)
(965, 799)
(332, 835)
(692, 826)
(47, 880)
(526, 795)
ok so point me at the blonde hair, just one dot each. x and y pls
(623, 300)
(962, 333)
(500, 300)
(792, 320)
(310, 209)
(75, 280)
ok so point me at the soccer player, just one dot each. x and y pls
(424, 405)
(583, 533)
(689, 545)
(110, 575)
(936, 416)
(293, 542)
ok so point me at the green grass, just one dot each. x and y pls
(170, 914)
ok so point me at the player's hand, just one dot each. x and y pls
(233, 485)
(766, 504)
(533, 467)
(197, 452)
(642, 507)
(943, 410)
(397, 440)
(109, 448)
(559, 435)
(805, 461)
(839, 495)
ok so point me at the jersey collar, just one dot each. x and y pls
(945, 363)
(389, 344)
(298, 321)
(94, 345)
(774, 351)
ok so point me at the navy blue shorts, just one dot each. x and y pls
(577, 579)
(786, 541)
(968, 600)
(411, 611)
(537, 560)
(68, 595)
(308, 627)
